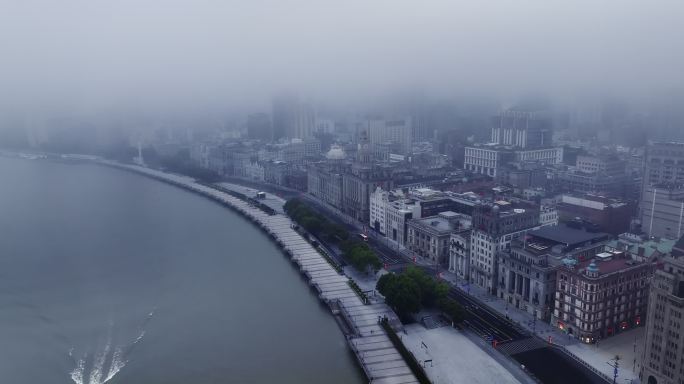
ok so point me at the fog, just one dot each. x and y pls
(151, 54)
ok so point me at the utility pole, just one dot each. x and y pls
(635, 354)
(615, 364)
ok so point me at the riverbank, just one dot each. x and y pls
(373, 349)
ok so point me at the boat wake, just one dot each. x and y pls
(100, 364)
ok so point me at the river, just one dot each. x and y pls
(108, 276)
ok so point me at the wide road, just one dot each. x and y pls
(484, 321)
(548, 364)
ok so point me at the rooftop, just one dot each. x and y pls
(632, 243)
(568, 236)
(618, 262)
(444, 222)
(678, 248)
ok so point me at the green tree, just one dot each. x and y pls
(401, 293)
(452, 309)
(431, 290)
(360, 256)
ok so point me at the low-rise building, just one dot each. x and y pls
(610, 215)
(378, 201)
(548, 215)
(254, 171)
(429, 237)
(398, 214)
(495, 226)
(527, 269)
(324, 182)
(641, 248)
(601, 297)
(432, 202)
(489, 159)
(459, 253)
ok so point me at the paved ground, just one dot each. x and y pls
(546, 362)
(628, 345)
(596, 356)
(517, 316)
(271, 200)
(455, 359)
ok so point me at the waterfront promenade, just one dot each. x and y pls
(375, 352)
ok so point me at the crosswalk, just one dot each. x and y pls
(519, 346)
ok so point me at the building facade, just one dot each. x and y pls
(610, 215)
(490, 159)
(398, 214)
(522, 129)
(324, 181)
(527, 269)
(662, 361)
(429, 237)
(601, 297)
(662, 210)
(495, 226)
(396, 132)
(548, 215)
(662, 195)
(459, 253)
(379, 200)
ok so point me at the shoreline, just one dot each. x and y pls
(356, 320)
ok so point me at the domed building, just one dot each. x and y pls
(336, 153)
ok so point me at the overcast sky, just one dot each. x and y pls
(169, 53)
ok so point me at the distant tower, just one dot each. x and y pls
(139, 159)
(364, 154)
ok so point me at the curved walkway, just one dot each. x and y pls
(381, 362)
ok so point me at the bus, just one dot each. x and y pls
(363, 236)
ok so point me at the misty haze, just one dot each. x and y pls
(341, 192)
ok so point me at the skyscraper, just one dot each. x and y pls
(397, 132)
(292, 118)
(522, 129)
(259, 127)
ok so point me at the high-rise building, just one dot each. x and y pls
(397, 132)
(663, 350)
(522, 129)
(662, 195)
(284, 115)
(259, 127)
(305, 122)
(292, 118)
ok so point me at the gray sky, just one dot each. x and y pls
(164, 53)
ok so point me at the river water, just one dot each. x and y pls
(107, 276)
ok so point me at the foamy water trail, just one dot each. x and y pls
(140, 336)
(77, 374)
(98, 364)
(116, 365)
(105, 364)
